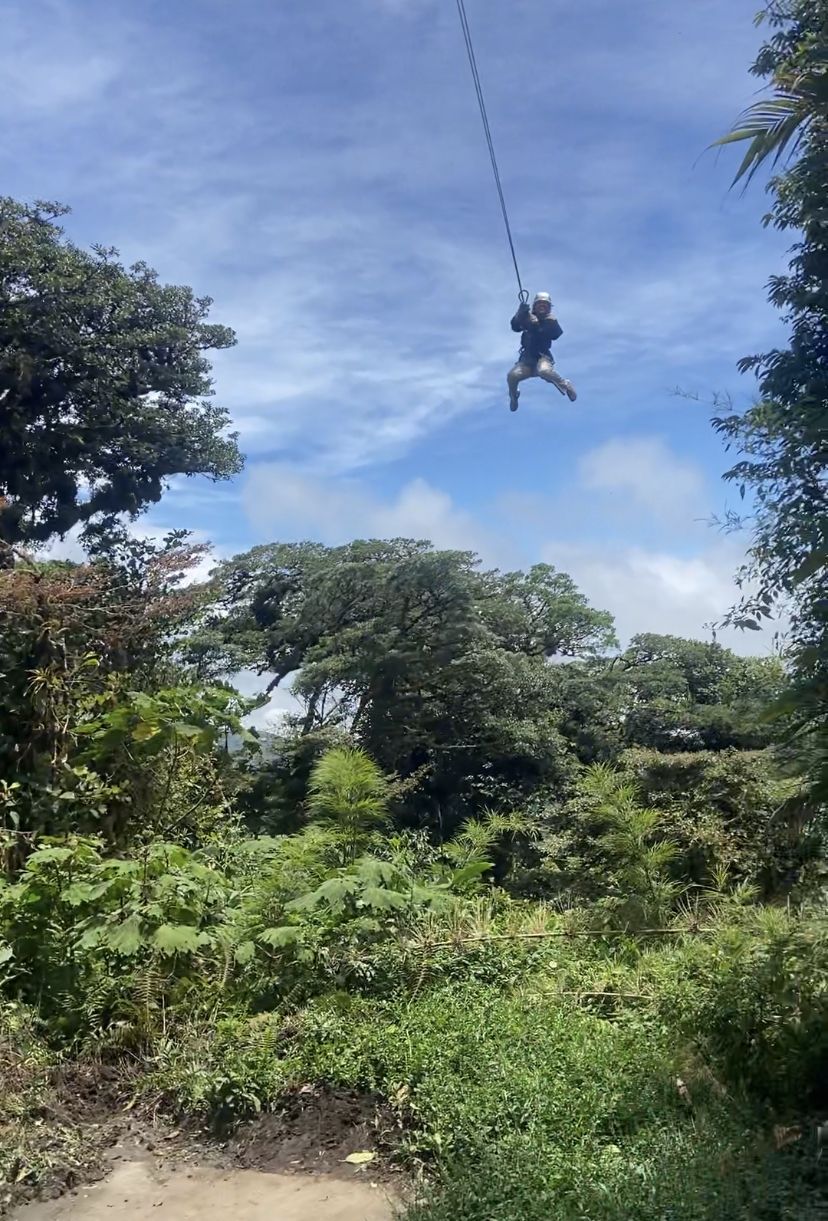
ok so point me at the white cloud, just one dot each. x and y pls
(281, 503)
(660, 591)
(627, 489)
(649, 556)
(282, 701)
(650, 473)
(66, 548)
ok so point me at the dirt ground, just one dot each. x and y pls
(132, 1162)
(140, 1191)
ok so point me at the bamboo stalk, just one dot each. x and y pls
(625, 996)
(609, 932)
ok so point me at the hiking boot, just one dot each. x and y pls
(514, 395)
(570, 391)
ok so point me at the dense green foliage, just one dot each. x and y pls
(783, 439)
(391, 930)
(553, 904)
(103, 381)
(437, 669)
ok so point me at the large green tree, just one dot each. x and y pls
(783, 438)
(680, 695)
(670, 694)
(439, 670)
(103, 382)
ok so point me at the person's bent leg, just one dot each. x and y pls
(516, 375)
(547, 370)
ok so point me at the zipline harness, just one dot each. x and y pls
(487, 131)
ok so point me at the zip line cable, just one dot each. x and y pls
(487, 131)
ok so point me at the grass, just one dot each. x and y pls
(521, 1093)
(523, 1103)
(536, 1110)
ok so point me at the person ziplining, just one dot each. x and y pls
(539, 329)
(537, 325)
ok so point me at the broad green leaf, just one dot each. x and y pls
(286, 934)
(381, 899)
(45, 856)
(144, 731)
(470, 872)
(360, 1159)
(381, 873)
(176, 938)
(124, 938)
(244, 952)
(334, 892)
(86, 892)
(6, 953)
(185, 730)
(93, 937)
(123, 866)
(204, 873)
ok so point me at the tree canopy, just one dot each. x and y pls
(432, 665)
(783, 438)
(104, 382)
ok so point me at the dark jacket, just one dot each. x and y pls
(536, 334)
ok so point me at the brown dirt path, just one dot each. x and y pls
(139, 1191)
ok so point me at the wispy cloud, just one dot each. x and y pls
(342, 215)
(659, 591)
(54, 73)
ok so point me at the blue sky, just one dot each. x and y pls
(320, 171)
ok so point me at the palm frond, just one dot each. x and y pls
(770, 125)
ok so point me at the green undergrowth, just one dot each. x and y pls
(588, 1083)
(42, 1142)
(530, 1063)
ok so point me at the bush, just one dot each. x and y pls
(759, 1007)
(526, 1105)
(730, 810)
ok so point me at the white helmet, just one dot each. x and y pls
(542, 297)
